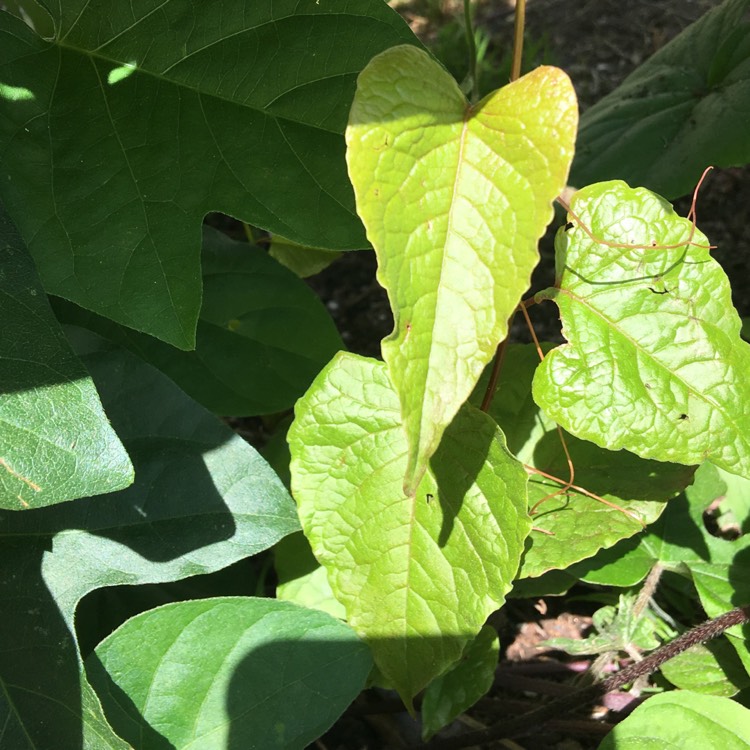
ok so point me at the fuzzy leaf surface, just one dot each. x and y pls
(116, 147)
(262, 335)
(418, 575)
(654, 361)
(454, 198)
(578, 525)
(202, 499)
(686, 107)
(681, 719)
(56, 443)
(228, 672)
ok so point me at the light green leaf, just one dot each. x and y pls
(615, 629)
(418, 575)
(681, 720)
(302, 579)
(462, 686)
(654, 363)
(711, 668)
(202, 499)
(303, 261)
(735, 505)
(683, 109)
(120, 146)
(262, 335)
(55, 441)
(454, 198)
(228, 672)
(572, 526)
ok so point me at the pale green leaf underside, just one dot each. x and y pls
(454, 199)
(417, 575)
(228, 672)
(681, 720)
(577, 525)
(135, 120)
(55, 441)
(654, 363)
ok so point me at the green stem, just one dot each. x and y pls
(520, 22)
(472, 45)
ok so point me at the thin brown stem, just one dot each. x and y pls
(497, 368)
(520, 23)
(533, 720)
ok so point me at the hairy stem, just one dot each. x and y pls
(531, 721)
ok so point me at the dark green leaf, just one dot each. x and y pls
(228, 673)
(123, 130)
(55, 441)
(202, 500)
(683, 109)
(262, 335)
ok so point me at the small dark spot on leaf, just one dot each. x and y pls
(684, 416)
(428, 497)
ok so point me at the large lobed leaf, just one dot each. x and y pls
(262, 335)
(202, 500)
(454, 198)
(55, 441)
(227, 673)
(125, 128)
(683, 109)
(418, 575)
(654, 361)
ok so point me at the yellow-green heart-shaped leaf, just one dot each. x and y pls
(654, 361)
(417, 576)
(454, 198)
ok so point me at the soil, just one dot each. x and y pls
(598, 42)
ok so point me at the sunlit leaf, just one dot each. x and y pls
(417, 575)
(55, 441)
(228, 672)
(454, 198)
(138, 119)
(654, 361)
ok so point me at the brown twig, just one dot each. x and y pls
(533, 720)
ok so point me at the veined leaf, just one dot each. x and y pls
(116, 146)
(262, 334)
(418, 575)
(685, 720)
(462, 686)
(577, 524)
(654, 361)
(683, 109)
(55, 441)
(454, 198)
(202, 499)
(227, 673)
